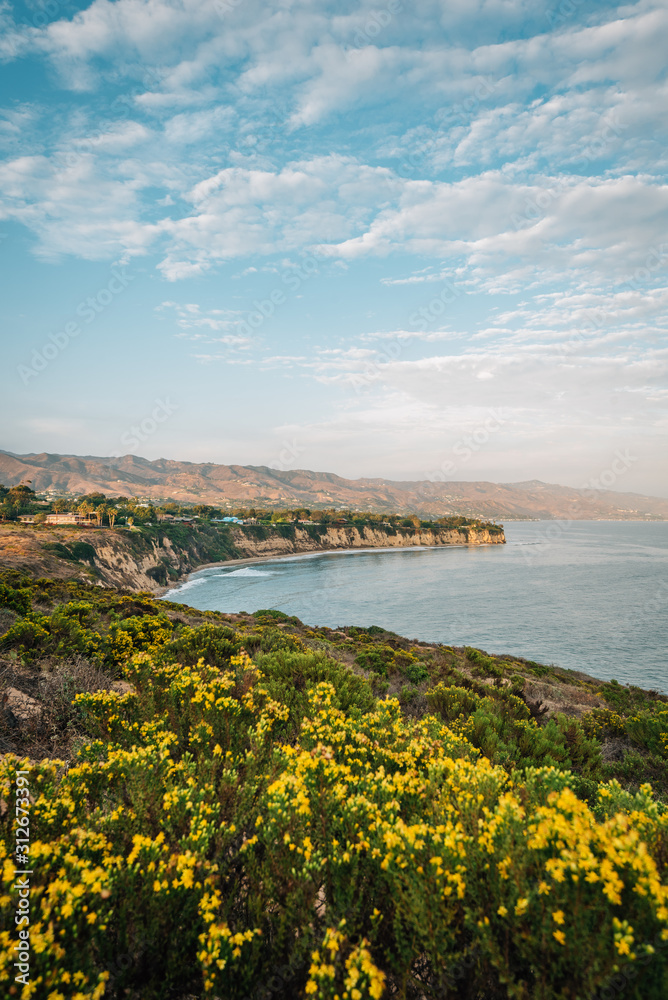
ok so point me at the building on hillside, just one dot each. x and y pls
(81, 520)
(27, 518)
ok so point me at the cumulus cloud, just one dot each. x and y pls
(513, 150)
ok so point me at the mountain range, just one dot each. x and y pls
(227, 485)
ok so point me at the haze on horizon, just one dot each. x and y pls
(380, 239)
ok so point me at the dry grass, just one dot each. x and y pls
(53, 731)
(568, 699)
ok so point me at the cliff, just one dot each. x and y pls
(157, 557)
(346, 537)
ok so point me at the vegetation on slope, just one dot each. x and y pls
(226, 805)
(123, 510)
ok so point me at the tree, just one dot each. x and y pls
(85, 509)
(21, 496)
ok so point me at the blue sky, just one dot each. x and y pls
(349, 237)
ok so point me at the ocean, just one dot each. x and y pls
(588, 595)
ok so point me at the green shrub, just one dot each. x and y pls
(273, 615)
(60, 550)
(16, 598)
(292, 675)
(486, 665)
(211, 833)
(376, 658)
(408, 694)
(59, 634)
(451, 702)
(416, 672)
(84, 552)
(215, 644)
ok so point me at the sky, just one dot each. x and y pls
(421, 240)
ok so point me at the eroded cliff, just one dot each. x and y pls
(153, 559)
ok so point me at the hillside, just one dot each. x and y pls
(186, 482)
(232, 806)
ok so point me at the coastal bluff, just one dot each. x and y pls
(351, 537)
(153, 559)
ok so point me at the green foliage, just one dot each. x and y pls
(159, 573)
(452, 702)
(219, 825)
(627, 698)
(215, 644)
(291, 676)
(273, 615)
(502, 728)
(408, 694)
(17, 598)
(60, 550)
(83, 552)
(415, 672)
(485, 665)
(273, 814)
(61, 634)
(376, 658)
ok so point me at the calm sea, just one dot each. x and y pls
(590, 595)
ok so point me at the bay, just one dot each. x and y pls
(588, 595)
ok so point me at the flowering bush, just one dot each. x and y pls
(213, 828)
(230, 825)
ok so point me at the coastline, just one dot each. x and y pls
(247, 560)
(282, 556)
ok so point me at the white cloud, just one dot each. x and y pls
(212, 326)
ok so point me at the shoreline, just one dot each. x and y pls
(247, 560)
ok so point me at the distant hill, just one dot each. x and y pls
(187, 482)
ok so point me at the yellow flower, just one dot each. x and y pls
(502, 911)
(560, 936)
(558, 916)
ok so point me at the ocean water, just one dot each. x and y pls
(589, 595)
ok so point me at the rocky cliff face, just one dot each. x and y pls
(355, 538)
(140, 561)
